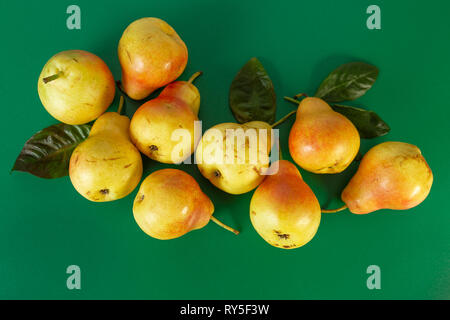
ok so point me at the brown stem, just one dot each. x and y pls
(224, 225)
(283, 119)
(119, 109)
(292, 100)
(195, 76)
(300, 95)
(52, 77)
(280, 153)
(335, 210)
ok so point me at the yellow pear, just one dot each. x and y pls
(170, 203)
(76, 87)
(240, 167)
(284, 210)
(322, 140)
(106, 166)
(163, 128)
(151, 55)
(392, 175)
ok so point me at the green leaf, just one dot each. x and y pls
(252, 96)
(368, 123)
(47, 153)
(348, 82)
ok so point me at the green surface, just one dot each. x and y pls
(46, 225)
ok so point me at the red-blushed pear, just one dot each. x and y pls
(163, 128)
(76, 87)
(151, 55)
(392, 175)
(322, 140)
(170, 203)
(284, 210)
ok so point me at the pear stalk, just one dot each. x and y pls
(119, 109)
(283, 119)
(280, 153)
(292, 100)
(52, 77)
(335, 210)
(224, 225)
(195, 76)
(300, 95)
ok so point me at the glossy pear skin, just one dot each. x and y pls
(83, 91)
(170, 203)
(106, 166)
(233, 178)
(185, 91)
(151, 55)
(155, 121)
(284, 210)
(322, 140)
(392, 175)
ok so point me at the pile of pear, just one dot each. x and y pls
(76, 87)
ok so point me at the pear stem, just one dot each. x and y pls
(280, 153)
(283, 119)
(52, 77)
(195, 76)
(335, 210)
(300, 95)
(119, 109)
(224, 225)
(292, 100)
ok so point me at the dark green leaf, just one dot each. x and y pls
(368, 123)
(47, 153)
(348, 82)
(252, 96)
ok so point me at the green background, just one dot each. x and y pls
(46, 225)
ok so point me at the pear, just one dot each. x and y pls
(283, 210)
(234, 170)
(76, 87)
(151, 55)
(322, 140)
(170, 203)
(106, 166)
(391, 175)
(163, 128)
